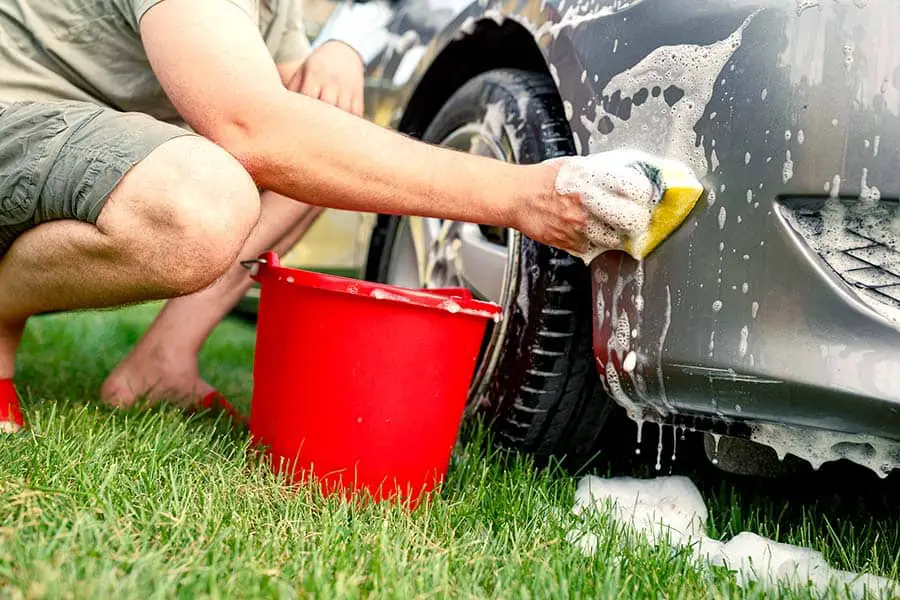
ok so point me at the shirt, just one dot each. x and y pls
(91, 50)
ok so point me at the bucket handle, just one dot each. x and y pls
(254, 265)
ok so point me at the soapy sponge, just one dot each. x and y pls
(634, 200)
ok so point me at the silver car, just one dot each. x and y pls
(770, 321)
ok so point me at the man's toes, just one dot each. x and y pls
(116, 393)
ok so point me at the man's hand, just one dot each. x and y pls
(334, 74)
(550, 217)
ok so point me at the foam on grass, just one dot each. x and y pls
(670, 510)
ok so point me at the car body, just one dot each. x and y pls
(773, 314)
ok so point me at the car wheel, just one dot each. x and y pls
(537, 379)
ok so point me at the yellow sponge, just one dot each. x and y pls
(677, 191)
(633, 200)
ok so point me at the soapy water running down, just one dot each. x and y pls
(670, 511)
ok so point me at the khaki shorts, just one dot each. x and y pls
(63, 160)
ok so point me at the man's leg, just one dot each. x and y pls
(163, 365)
(172, 223)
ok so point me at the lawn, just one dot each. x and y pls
(154, 503)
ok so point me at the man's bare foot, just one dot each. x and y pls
(154, 375)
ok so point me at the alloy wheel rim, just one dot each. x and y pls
(434, 253)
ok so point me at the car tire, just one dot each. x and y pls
(543, 396)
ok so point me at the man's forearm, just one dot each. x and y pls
(308, 151)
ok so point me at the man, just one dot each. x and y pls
(135, 136)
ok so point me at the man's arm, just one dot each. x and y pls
(227, 87)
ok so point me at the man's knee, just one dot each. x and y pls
(186, 211)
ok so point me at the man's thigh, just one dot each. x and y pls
(63, 160)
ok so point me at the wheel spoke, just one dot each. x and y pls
(482, 263)
(404, 270)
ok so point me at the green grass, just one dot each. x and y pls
(155, 504)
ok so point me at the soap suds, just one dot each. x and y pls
(671, 511)
(787, 171)
(818, 446)
(854, 239)
(835, 190)
(745, 336)
(868, 193)
(580, 13)
(803, 5)
(619, 197)
(495, 124)
(620, 396)
(675, 84)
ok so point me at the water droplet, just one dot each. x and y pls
(640, 431)
(674, 441)
(716, 437)
(659, 447)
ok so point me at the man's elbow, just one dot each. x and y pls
(241, 138)
(254, 132)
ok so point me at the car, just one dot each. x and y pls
(769, 322)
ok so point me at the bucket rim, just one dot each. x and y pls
(452, 300)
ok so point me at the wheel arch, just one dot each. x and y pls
(490, 46)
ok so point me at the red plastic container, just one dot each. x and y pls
(361, 385)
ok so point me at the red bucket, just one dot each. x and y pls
(360, 385)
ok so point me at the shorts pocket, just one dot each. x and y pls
(26, 136)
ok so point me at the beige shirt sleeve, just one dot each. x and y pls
(294, 43)
(251, 7)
